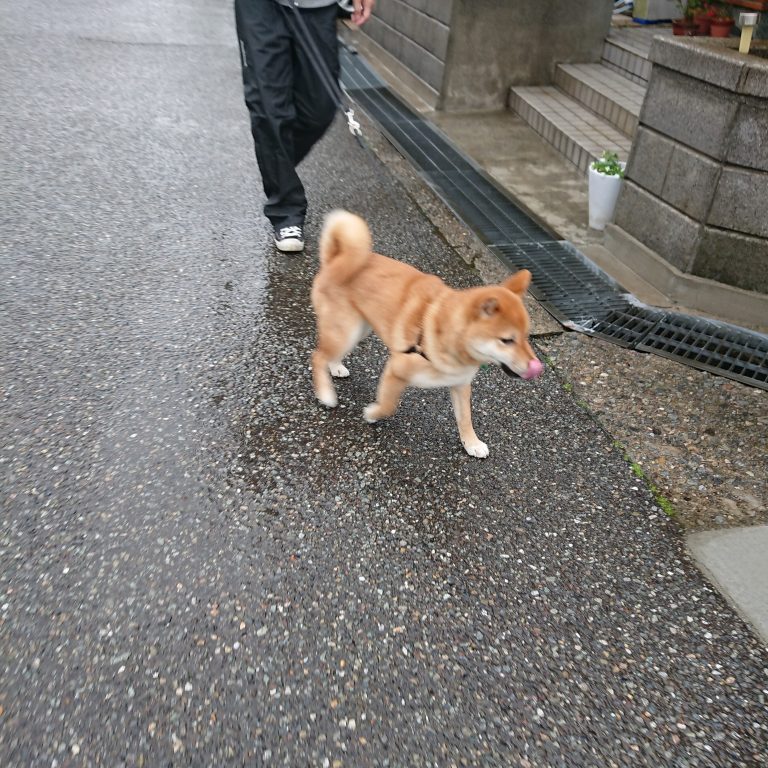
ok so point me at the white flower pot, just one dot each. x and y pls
(603, 193)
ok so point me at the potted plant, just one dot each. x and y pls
(722, 22)
(685, 25)
(605, 176)
(703, 16)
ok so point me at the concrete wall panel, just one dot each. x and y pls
(496, 44)
(416, 26)
(437, 9)
(486, 46)
(733, 259)
(673, 235)
(748, 143)
(418, 60)
(741, 202)
(416, 33)
(691, 182)
(672, 99)
(649, 160)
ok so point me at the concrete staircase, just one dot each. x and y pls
(593, 107)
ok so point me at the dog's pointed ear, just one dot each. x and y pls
(519, 282)
(488, 308)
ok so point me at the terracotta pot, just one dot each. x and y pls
(721, 27)
(683, 27)
(703, 24)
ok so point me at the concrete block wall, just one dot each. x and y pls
(697, 178)
(469, 52)
(416, 33)
(496, 44)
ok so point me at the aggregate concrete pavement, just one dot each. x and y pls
(200, 566)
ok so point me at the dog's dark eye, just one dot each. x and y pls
(507, 341)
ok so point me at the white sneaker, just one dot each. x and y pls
(289, 239)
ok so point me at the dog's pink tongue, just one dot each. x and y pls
(534, 369)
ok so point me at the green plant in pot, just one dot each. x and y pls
(605, 176)
(703, 16)
(685, 25)
(722, 21)
(608, 164)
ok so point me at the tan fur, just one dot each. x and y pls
(357, 290)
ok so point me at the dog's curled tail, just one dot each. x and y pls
(345, 245)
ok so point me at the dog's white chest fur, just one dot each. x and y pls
(432, 378)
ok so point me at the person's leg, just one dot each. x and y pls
(267, 58)
(315, 108)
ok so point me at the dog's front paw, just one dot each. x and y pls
(372, 413)
(338, 370)
(478, 449)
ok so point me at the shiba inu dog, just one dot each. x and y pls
(437, 336)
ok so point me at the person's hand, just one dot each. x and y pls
(362, 11)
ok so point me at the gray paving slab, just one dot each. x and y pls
(737, 562)
(199, 566)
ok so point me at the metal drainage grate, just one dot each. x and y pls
(574, 290)
(561, 280)
(580, 295)
(626, 326)
(716, 347)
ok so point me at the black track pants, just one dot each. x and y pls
(289, 107)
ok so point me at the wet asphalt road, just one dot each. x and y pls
(199, 566)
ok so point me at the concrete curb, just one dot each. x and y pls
(747, 308)
(736, 561)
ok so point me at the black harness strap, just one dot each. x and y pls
(416, 348)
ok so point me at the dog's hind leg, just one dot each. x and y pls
(325, 392)
(337, 337)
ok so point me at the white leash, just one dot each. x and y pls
(352, 124)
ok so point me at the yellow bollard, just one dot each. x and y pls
(747, 22)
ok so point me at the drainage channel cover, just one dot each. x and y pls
(567, 284)
(626, 326)
(582, 297)
(561, 281)
(579, 294)
(355, 73)
(716, 347)
(485, 209)
(426, 150)
(476, 200)
(473, 197)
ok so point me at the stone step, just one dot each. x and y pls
(606, 92)
(626, 51)
(575, 131)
